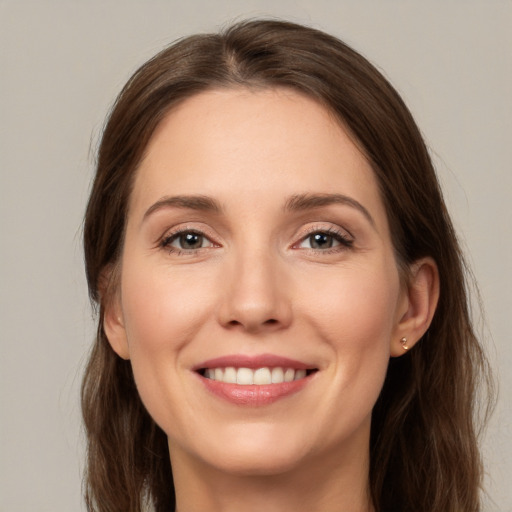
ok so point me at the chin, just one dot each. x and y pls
(257, 463)
(256, 451)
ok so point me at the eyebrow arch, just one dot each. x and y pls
(311, 201)
(193, 202)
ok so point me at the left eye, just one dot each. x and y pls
(187, 240)
(322, 240)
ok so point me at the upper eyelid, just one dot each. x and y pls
(186, 228)
(174, 233)
(323, 228)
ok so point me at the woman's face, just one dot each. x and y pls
(256, 239)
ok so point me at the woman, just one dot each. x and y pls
(283, 311)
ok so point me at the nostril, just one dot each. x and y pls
(270, 322)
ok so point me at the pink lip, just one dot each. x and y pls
(253, 362)
(254, 395)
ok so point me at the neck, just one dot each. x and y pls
(338, 483)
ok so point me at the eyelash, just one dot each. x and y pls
(345, 241)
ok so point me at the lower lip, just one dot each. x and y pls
(254, 395)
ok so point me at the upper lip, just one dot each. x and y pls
(254, 362)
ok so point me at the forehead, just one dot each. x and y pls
(234, 143)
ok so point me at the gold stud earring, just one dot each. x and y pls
(403, 341)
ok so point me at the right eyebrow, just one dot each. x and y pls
(192, 202)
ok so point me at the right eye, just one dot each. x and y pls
(186, 241)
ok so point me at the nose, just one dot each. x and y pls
(256, 296)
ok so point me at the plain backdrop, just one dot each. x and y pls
(61, 65)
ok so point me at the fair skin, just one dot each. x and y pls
(256, 228)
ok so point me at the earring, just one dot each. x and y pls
(403, 341)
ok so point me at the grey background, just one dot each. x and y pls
(61, 65)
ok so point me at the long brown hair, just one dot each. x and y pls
(423, 446)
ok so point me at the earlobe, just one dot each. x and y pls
(113, 322)
(422, 295)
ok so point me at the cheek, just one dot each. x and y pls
(356, 307)
(163, 309)
(356, 320)
(163, 312)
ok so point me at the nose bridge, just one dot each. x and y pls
(255, 295)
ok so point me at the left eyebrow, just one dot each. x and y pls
(301, 202)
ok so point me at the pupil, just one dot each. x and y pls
(191, 241)
(321, 241)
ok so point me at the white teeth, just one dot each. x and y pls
(262, 376)
(244, 376)
(299, 374)
(230, 375)
(277, 375)
(289, 374)
(248, 376)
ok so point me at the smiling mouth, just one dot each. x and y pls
(258, 376)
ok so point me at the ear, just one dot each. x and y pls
(417, 307)
(113, 321)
